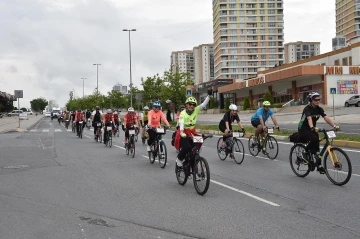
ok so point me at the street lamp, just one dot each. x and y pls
(74, 94)
(130, 30)
(97, 77)
(83, 85)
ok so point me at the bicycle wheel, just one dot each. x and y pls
(162, 154)
(110, 139)
(181, 175)
(254, 147)
(127, 150)
(201, 175)
(151, 154)
(220, 150)
(132, 149)
(100, 138)
(298, 164)
(334, 172)
(271, 145)
(238, 151)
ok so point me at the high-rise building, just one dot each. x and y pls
(203, 63)
(121, 88)
(338, 43)
(348, 19)
(296, 51)
(183, 61)
(248, 34)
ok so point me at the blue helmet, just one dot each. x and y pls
(156, 104)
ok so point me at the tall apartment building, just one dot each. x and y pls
(203, 63)
(121, 88)
(338, 43)
(183, 61)
(296, 51)
(248, 34)
(348, 19)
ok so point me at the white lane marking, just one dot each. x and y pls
(58, 130)
(245, 193)
(69, 130)
(33, 130)
(87, 136)
(119, 147)
(343, 172)
(45, 130)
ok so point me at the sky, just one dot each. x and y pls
(47, 46)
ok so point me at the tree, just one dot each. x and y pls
(212, 103)
(227, 103)
(175, 86)
(153, 88)
(246, 104)
(268, 97)
(38, 104)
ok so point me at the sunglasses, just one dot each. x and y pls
(192, 105)
(316, 99)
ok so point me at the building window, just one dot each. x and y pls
(345, 61)
(350, 61)
(336, 63)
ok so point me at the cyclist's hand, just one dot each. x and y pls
(168, 127)
(149, 126)
(315, 129)
(277, 127)
(243, 130)
(337, 128)
(265, 128)
(183, 135)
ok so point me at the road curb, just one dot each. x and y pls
(338, 143)
(34, 124)
(19, 130)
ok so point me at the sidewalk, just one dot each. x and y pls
(11, 124)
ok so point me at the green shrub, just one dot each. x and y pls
(246, 103)
(268, 97)
(276, 106)
(227, 104)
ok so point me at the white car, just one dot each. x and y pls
(29, 112)
(47, 114)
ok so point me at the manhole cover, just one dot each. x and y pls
(16, 166)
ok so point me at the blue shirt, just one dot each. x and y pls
(261, 112)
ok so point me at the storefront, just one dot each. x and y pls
(201, 91)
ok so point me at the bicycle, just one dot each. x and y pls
(137, 130)
(263, 142)
(158, 148)
(80, 129)
(305, 159)
(98, 136)
(130, 145)
(233, 146)
(190, 165)
(67, 124)
(108, 135)
(73, 126)
(116, 131)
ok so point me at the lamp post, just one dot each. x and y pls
(97, 77)
(130, 30)
(83, 85)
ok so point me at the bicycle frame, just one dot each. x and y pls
(328, 146)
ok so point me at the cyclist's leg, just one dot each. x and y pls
(257, 127)
(151, 138)
(185, 147)
(126, 135)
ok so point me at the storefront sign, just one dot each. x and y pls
(215, 83)
(305, 88)
(257, 81)
(347, 87)
(281, 92)
(342, 70)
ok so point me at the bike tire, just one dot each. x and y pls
(100, 138)
(221, 150)
(256, 148)
(240, 145)
(292, 165)
(205, 164)
(273, 142)
(136, 138)
(327, 171)
(178, 171)
(162, 159)
(110, 139)
(132, 149)
(151, 155)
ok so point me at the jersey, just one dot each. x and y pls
(79, 116)
(130, 119)
(97, 117)
(189, 121)
(261, 112)
(230, 119)
(145, 115)
(116, 118)
(108, 118)
(314, 112)
(155, 118)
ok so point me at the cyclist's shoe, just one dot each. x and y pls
(305, 158)
(148, 148)
(321, 170)
(95, 137)
(197, 177)
(232, 156)
(179, 162)
(317, 159)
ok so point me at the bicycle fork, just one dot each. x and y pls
(333, 157)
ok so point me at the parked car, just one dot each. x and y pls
(15, 112)
(47, 114)
(29, 112)
(354, 100)
(1, 115)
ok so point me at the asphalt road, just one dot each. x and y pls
(55, 185)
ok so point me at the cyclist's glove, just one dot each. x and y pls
(336, 128)
(183, 135)
(243, 130)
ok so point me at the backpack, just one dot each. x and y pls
(296, 138)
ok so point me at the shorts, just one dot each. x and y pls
(255, 123)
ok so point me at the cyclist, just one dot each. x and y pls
(144, 121)
(116, 120)
(308, 130)
(187, 121)
(130, 121)
(225, 123)
(155, 115)
(66, 117)
(79, 116)
(106, 120)
(97, 118)
(182, 107)
(260, 117)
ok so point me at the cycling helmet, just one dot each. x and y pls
(266, 103)
(312, 95)
(108, 111)
(191, 100)
(97, 108)
(131, 109)
(115, 112)
(233, 107)
(156, 104)
(146, 108)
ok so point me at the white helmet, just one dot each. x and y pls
(108, 111)
(115, 112)
(232, 107)
(131, 109)
(312, 95)
(146, 108)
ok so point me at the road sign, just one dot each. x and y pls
(18, 94)
(333, 91)
(188, 92)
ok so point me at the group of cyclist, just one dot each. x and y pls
(186, 119)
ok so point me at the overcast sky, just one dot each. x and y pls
(47, 46)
